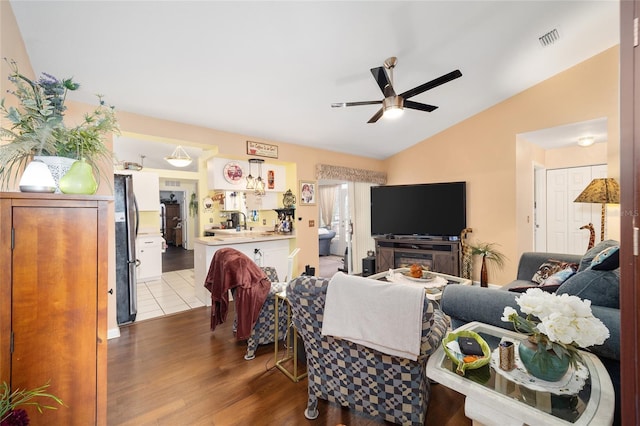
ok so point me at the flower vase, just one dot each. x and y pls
(484, 278)
(545, 365)
(37, 178)
(79, 179)
(58, 166)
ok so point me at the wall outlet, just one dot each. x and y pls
(312, 223)
(210, 220)
(264, 222)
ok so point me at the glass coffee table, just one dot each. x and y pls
(493, 399)
(433, 288)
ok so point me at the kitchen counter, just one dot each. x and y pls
(266, 248)
(230, 236)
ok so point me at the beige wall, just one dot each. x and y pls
(300, 161)
(482, 151)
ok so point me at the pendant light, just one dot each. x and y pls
(257, 184)
(251, 182)
(179, 157)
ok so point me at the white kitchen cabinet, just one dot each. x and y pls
(146, 186)
(268, 201)
(149, 255)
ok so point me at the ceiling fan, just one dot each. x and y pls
(392, 104)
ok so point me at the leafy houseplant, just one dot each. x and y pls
(36, 125)
(488, 252)
(9, 401)
(556, 326)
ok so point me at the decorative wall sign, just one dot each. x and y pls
(262, 149)
(271, 179)
(232, 172)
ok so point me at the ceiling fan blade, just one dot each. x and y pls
(348, 104)
(382, 78)
(431, 84)
(419, 106)
(376, 116)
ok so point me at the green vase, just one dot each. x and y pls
(545, 365)
(79, 179)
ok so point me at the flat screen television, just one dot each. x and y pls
(430, 210)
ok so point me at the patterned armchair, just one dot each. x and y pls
(389, 387)
(264, 330)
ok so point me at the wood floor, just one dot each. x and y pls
(175, 371)
(176, 259)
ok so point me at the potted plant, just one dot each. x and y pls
(488, 252)
(11, 415)
(36, 126)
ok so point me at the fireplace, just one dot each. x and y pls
(404, 259)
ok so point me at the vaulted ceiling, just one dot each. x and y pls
(271, 70)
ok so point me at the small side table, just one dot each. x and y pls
(291, 351)
(493, 400)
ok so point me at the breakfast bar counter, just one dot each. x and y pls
(266, 248)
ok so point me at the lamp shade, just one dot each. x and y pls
(601, 191)
(179, 157)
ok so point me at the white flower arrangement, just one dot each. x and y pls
(563, 322)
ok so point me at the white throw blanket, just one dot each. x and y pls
(377, 314)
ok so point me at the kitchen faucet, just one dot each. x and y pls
(245, 220)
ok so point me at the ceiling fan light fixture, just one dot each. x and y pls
(393, 107)
(586, 141)
(179, 157)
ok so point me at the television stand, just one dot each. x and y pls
(439, 255)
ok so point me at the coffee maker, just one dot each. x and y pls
(235, 220)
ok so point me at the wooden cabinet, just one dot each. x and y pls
(171, 230)
(53, 301)
(439, 256)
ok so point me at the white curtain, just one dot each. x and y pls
(327, 198)
(360, 206)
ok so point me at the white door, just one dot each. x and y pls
(565, 217)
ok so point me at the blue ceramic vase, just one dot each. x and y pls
(545, 365)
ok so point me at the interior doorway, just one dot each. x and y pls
(560, 222)
(333, 198)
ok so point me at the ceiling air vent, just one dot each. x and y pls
(549, 38)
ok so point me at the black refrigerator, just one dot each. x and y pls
(126, 218)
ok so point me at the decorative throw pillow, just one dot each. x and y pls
(607, 259)
(560, 276)
(601, 287)
(548, 268)
(593, 251)
(552, 283)
(547, 288)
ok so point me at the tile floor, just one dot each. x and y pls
(173, 293)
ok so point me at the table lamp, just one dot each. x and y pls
(601, 191)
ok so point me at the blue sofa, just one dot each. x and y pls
(324, 240)
(465, 304)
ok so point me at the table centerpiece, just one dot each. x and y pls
(36, 129)
(557, 325)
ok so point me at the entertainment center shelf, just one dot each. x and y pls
(439, 255)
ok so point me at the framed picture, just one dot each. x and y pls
(262, 149)
(308, 192)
